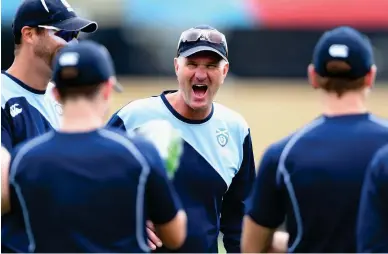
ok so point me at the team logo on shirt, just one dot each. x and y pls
(14, 110)
(222, 135)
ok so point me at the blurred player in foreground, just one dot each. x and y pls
(217, 168)
(28, 109)
(85, 188)
(372, 230)
(314, 176)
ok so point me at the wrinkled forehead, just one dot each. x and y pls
(208, 56)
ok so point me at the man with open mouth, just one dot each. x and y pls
(216, 169)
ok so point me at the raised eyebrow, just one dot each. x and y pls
(191, 62)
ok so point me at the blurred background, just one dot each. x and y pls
(270, 45)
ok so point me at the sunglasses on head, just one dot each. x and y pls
(65, 35)
(212, 36)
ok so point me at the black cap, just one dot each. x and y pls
(53, 13)
(186, 49)
(83, 64)
(344, 44)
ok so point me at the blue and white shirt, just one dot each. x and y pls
(25, 112)
(216, 170)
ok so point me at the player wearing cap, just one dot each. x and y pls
(313, 177)
(40, 28)
(85, 188)
(216, 169)
(372, 229)
(28, 109)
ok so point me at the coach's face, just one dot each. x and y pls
(47, 45)
(200, 76)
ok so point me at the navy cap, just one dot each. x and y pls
(83, 64)
(188, 48)
(53, 13)
(344, 44)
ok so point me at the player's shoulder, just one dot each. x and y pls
(382, 154)
(138, 112)
(379, 121)
(230, 116)
(130, 142)
(139, 106)
(276, 148)
(8, 89)
(33, 147)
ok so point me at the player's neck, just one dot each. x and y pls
(33, 74)
(177, 102)
(81, 116)
(348, 104)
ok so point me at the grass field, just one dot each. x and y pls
(273, 109)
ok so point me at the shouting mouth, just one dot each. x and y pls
(199, 90)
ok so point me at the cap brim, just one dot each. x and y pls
(197, 49)
(76, 24)
(118, 87)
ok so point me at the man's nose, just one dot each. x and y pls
(201, 74)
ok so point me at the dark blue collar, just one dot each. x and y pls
(22, 84)
(179, 116)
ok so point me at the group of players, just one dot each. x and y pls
(72, 183)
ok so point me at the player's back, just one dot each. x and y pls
(321, 170)
(83, 192)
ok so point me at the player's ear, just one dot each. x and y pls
(225, 68)
(56, 94)
(371, 77)
(176, 65)
(28, 34)
(108, 87)
(312, 75)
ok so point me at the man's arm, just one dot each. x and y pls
(372, 228)
(233, 204)
(5, 196)
(266, 210)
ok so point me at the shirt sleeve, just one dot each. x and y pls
(372, 228)
(266, 205)
(6, 130)
(233, 204)
(162, 200)
(116, 122)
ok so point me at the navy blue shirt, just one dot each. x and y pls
(312, 180)
(90, 192)
(25, 113)
(372, 230)
(216, 170)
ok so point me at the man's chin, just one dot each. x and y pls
(200, 106)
